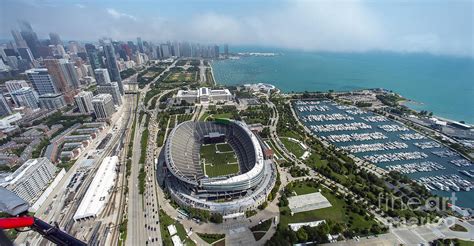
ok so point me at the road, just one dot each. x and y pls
(135, 203)
(143, 224)
(202, 72)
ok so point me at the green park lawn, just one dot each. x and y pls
(180, 77)
(166, 220)
(337, 212)
(293, 147)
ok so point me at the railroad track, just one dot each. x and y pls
(118, 220)
(67, 223)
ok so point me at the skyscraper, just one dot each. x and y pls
(102, 76)
(113, 90)
(165, 51)
(84, 102)
(25, 97)
(55, 39)
(73, 47)
(19, 41)
(73, 78)
(26, 54)
(41, 81)
(216, 51)
(176, 49)
(103, 106)
(30, 37)
(112, 67)
(4, 107)
(140, 44)
(93, 55)
(226, 50)
(61, 78)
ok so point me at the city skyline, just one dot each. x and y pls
(343, 26)
(131, 122)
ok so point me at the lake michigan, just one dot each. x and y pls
(441, 84)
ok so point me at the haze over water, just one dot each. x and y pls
(441, 84)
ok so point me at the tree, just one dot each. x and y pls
(216, 218)
(302, 235)
(337, 228)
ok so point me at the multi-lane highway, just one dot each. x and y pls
(143, 210)
(143, 226)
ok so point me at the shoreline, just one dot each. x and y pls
(402, 102)
(426, 91)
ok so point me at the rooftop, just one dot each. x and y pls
(24, 170)
(308, 202)
(96, 196)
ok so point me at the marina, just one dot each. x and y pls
(327, 117)
(445, 153)
(359, 148)
(451, 182)
(390, 145)
(393, 128)
(340, 127)
(355, 111)
(469, 173)
(377, 158)
(355, 137)
(426, 166)
(374, 118)
(461, 163)
(427, 145)
(412, 136)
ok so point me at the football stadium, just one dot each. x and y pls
(220, 166)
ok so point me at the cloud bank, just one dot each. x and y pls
(341, 26)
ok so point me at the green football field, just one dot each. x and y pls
(218, 160)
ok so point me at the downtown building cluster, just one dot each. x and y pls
(49, 74)
(45, 76)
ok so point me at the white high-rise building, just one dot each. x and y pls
(113, 90)
(102, 76)
(13, 85)
(25, 97)
(30, 179)
(84, 102)
(103, 106)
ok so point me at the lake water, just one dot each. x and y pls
(441, 84)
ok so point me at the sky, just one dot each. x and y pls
(440, 27)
